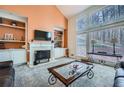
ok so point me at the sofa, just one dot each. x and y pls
(119, 76)
(7, 74)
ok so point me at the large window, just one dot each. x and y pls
(81, 24)
(103, 18)
(81, 45)
(121, 10)
(103, 40)
(97, 18)
(109, 13)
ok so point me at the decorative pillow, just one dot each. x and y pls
(122, 64)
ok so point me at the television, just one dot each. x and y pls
(42, 35)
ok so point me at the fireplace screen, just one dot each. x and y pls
(41, 55)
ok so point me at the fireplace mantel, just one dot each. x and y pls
(35, 46)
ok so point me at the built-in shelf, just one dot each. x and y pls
(12, 27)
(58, 34)
(12, 41)
(16, 27)
(58, 40)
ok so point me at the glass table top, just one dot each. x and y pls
(73, 69)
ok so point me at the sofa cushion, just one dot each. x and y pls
(7, 74)
(7, 77)
(119, 82)
(5, 71)
(6, 64)
(122, 65)
(119, 78)
(119, 72)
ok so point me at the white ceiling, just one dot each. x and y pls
(70, 10)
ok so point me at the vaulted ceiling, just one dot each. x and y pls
(71, 10)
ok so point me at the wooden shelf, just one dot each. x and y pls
(13, 27)
(57, 40)
(58, 34)
(16, 27)
(12, 41)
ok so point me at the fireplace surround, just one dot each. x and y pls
(44, 47)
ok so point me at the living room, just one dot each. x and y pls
(61, 45)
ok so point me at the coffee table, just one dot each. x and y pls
(69, 72)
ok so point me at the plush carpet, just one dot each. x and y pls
(37, 76)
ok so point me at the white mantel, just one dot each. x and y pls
(35, 46)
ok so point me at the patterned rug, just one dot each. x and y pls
(37, 76)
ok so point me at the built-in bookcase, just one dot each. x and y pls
(58, 39)
(13, 32)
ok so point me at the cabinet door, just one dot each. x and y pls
(62, 52)
(5, 56)
(19, 56)
(59, 52)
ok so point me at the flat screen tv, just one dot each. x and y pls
(42, 35)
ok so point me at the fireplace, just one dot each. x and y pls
(41, 56)
(43, 51)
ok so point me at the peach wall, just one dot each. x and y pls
(44, 17)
